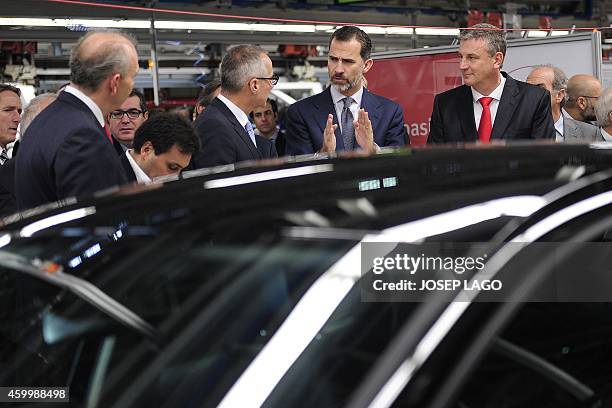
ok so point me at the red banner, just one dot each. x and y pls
(412, 82)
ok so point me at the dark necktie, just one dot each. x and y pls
(3, 156)
(486, 125)
(348, 131)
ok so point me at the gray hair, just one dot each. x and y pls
(240, 65)
(34, 108)
(493, 36)
(604, 107)
(89, 69)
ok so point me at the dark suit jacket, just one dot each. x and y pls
(281, 143)
(127, 168)
(523, 113)
(8, 204)
(64, 153)
(224, 141)
(306, 120)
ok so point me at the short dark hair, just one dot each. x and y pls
(347, 33)
(164, 130)
(141, 97)
(272, 103)
(207, 93)
(7, 87)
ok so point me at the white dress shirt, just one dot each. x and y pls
(559, 136)
(238, 113)
(337, 99)
(607, 137)
(141, 176)
(87, 101)
(496, 95)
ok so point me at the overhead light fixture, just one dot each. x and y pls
(197, 25)
(536, 33)
(438, 31)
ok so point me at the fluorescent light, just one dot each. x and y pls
(438, 31)
(537, 33)
(557, 33)
(40, 225)
(374, 30)
(400, 31)
(268, 175)
(190, 25)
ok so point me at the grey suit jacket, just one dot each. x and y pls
(579, 132)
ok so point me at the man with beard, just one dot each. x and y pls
(345, 116)
(582, 94)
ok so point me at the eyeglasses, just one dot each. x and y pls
(132, 114)
(273, 79)
(586, 96)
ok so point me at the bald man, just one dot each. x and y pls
(582, 94)
(68, 151)
(567, 129)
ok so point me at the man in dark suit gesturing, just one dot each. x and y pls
(67, 150)
(345, 116)
(490, 104)
(224, 129)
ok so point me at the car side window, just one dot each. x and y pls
(551, 355)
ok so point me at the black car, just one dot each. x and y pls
(246, 288)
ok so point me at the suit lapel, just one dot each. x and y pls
(240, 131)
(505, 110)
(466, 115)
(324, 105)
(371, 106)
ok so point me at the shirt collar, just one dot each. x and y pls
(141, 176)
(559, 126)
(496, 94)
(238, 113)
(272, 137)
(337, 96)
(607, 137)
(87, 101)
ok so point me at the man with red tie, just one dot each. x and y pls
(491, 104)
(68, 151)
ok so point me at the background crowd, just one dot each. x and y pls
(95, 133)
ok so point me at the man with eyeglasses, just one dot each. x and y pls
(567, 130)
(345, 116)
(582, 94)
(124, 122)
(224, 129)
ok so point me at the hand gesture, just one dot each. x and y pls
(329, 136)
(364, 136)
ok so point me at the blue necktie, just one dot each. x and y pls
(348, 131)
(249, 130)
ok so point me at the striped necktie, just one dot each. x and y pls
(3, 156)
(348, 130)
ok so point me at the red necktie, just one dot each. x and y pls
(485, 126)
(108, 133)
